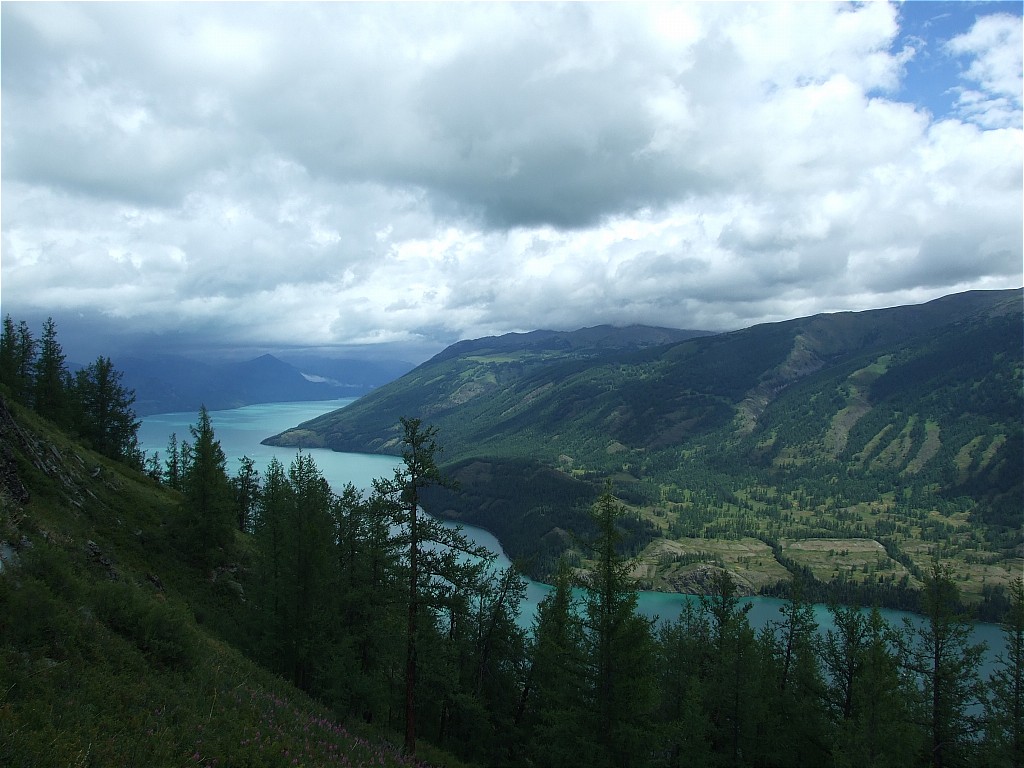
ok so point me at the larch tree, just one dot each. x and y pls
(17, 359)
(620, 646)
(1004, 704)
(209, 518)
(439, 562)
(551, 707)
(246, 488)
(869, 698)
(105, 417)
(51, 381)
(946, 663)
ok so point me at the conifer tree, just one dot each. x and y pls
(683, 653)
(551, 714)
(369, 601)
(269, 529)
(947, 664)
(17, 359)
(208, 511)
(620, 647)
(732, 693)
(51, 381)
(794, 695)
(104, 413)
(173, 463)
(246, 487)
(310, 571)
(869, 699)
(1004, 704)
(436, 563)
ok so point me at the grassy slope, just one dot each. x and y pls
(102, 659)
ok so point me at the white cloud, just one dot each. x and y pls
(995, 44)
(373, 173)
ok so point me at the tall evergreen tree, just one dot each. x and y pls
(8, 354)
(105, 417)
(794, 695)
(436, 562)
(869, 699)
(246, 487)
(173, 463)
(684, 649)
(947, 665)
(17, 359)
(551, 710)
(310, 570)
(1004, 705)
(369, 602)
(733, 697)
(51, 381)
(209, 518)
(621, 647)
(270, 526)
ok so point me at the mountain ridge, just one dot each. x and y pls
(900, 426)
(173, 383)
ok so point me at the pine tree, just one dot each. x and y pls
(104, 413)
(733, 686)
(17, 359)
(869, 699)
(369, 601)
(440, 562)
(620, 647)
(791, 658)
(270, 526)
(683, 653)
(310, 569)
(1004, 705)
(245, 486)
(51, 381)
(208, 520)
(173, 463)
(947, 665)
(551, 710)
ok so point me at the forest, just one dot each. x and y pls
(391, 621)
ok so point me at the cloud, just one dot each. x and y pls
(994, 44)
(332, 174)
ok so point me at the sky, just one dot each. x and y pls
(385, 179)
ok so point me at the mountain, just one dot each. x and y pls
(166, 383)
(893, 435)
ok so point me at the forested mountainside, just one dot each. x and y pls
(116, 639)
(848, 447)
(183, 617)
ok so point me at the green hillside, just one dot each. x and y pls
(112, 647)
(889, 435)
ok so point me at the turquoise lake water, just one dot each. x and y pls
(240, 431)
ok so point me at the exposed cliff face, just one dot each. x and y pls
(701, 580)
(12, 435)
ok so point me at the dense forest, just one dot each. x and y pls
(393, 622)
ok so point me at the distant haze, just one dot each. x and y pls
(376, 179)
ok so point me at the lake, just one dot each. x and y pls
(240, 431)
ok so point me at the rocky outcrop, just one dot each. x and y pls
(700, 580)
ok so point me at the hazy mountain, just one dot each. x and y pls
(899, 426)
(168, 383)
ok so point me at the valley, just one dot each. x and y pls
(849, 450)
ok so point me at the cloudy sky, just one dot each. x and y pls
(256, 177)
